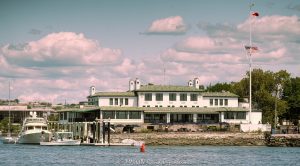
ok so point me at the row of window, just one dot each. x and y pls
(172, 97)
(218, 102)
(235, 115)
(118, 101)
(121, 115)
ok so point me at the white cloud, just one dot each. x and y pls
(170, 25)
(126, 67)
(284, 26)
(60, 49)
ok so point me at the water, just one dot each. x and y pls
(35, 155)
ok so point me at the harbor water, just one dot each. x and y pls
(35, 155)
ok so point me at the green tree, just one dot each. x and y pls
(219, 87)
(291, 94)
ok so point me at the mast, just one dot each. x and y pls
(164, 74)
(9, 134)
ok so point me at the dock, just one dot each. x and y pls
(106, 144)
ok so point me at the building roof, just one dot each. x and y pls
(114, 94)
(218, 94)
(167, 88)
(84, 109)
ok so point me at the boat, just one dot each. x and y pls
(34, 130)
(62, 139)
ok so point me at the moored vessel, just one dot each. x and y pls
(34, 130)
(62, 139)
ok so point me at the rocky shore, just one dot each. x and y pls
(283, 140)
(195, 138)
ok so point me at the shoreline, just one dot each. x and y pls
(211, 139)
(195, 138)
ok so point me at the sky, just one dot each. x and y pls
(54, 50)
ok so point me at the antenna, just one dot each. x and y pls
(9, 108)
(164, 73)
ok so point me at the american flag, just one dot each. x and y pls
(256, 14)
(251, 49)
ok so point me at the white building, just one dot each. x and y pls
(163, 104)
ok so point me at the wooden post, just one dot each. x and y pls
(108, 133)
(94, 132)
(99, 132)
(103, 131)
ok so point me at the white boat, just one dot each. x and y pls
(9, 140)
(62, 139)
(34, 130)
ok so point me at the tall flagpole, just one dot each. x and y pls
(250, 63)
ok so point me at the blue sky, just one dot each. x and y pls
(54, 50)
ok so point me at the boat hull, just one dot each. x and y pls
(34, 137)
(61, 143)
(9, 140)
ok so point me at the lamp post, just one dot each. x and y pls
(277, 96)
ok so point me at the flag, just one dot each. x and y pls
(255, 14)
(251, 49)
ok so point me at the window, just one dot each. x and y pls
(194, 97)
(61, 116)
(172, 96)
(135, 115)
(126, 101)
(240, 115)
(121, 115)
(183, 97)
(221, 102)
(159, 96)
(116, 101)
(121, 101)
(229, 115)
(148, 96)
(108, 114)
(111, 101)
(226, 102)
(211, 102)
(65, 115)
(216, 102)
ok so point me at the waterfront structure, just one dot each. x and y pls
(19, 112)
(167, 104)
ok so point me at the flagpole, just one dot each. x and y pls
(250, 64)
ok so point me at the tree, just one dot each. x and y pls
(264, 86)
(291, 94)
(219, 87)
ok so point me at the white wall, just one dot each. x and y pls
(166, 102)
(256, 117)
(255, 127)
(232, 102)
(104, 101)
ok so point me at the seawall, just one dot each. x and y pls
(283, 140)
(195, 138)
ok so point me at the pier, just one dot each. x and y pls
(95, 133)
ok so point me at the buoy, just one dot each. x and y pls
(142, 148)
